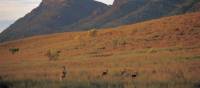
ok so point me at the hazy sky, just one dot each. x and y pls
(11, 10)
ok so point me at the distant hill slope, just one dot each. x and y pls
(79, 15)
(177, 31)
(132, 11)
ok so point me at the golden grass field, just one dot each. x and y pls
(165, 53)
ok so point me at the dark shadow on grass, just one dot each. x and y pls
(4, 85)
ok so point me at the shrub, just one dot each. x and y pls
(53, 54)
(14, 50)
(119, 42)
(78, 37)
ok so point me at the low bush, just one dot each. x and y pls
(53, 54)
(119, 41)
(14, 50)
(92, 33)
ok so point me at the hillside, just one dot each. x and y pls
(166, 30)
(55, 16)
(163, 52)
(50, 16)
(133, 11)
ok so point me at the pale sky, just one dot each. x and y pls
(11, 10)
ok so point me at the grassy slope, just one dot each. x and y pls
(166, 50)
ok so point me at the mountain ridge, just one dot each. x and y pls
(49, 16)
(65, 17)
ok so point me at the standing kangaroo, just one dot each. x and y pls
(64, 73)
(104, 73)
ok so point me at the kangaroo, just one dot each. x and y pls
(124, 73)
(64, 73)
(134, 75)
(127, 73)
(104, 73)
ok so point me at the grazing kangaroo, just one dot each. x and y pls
(124, 73)
(64, 73)
(134, 75)
(104, 73)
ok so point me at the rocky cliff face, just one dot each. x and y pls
(53, 16)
